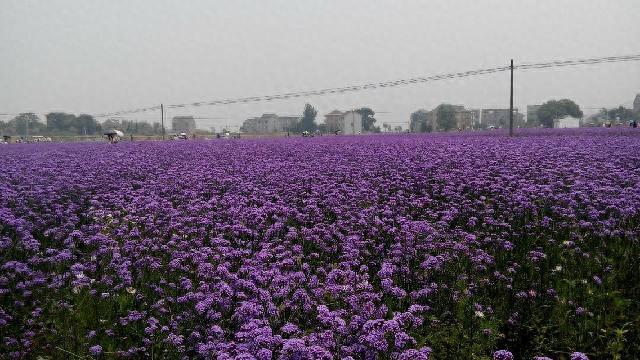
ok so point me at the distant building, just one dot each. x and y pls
(465, 119)
(498, 118)
(333, 120)
(183, 124)
(532, 114)
(566, 122)
(348, 122)
(270, 123)
(636, 103)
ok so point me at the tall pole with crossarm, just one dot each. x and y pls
(162, 119)
(511, 103)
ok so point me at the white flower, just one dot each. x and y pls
(131, 290)
(479, 314)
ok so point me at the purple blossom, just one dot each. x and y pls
(502, 355)
(579, 356)
(95, 350)
(331, 247)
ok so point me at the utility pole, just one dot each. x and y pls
(511, 103)
(162, 119)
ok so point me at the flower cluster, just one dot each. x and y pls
(327, 248)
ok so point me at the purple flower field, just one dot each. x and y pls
(375, 247)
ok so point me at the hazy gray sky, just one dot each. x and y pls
(102, 56)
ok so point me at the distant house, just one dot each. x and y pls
(270, 123)
(636, 103)
(567, 122)
(348, 122)
(183, 124)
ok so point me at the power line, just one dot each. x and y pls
(392, 83)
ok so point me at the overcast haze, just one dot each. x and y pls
(104, 56)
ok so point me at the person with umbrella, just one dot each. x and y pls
(113, 135)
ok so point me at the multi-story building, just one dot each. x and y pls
(348, 122)
(183, 124)
(636, 103)
(270, 123)
(465, 119)
(498, 118)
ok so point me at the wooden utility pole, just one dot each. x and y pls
(162, 119)
(511, 103)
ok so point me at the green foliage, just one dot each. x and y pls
(446, 116)
(70, 124)
(368, 120)
(555, 109)
(620, 113)
(87, 124)
(18, 125)
(308, 121)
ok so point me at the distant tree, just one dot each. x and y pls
(555, 109)
(398, 128)
(368, 120)
(18, 125)
(446, 116)
(308, 120)
(419, 121)
(87, 125)
(129, 126)
(112, 124)
(60, 123)
(621, 113)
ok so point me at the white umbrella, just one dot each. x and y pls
(114, 132)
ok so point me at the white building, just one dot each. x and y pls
(348, 122)
(567, 122)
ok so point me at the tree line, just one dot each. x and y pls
(66, 124)
(547, 113)
(61, 124)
